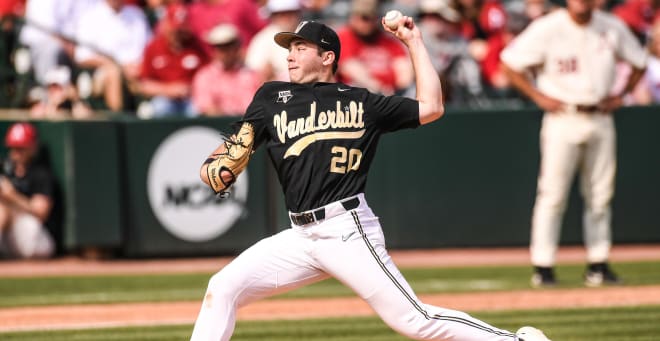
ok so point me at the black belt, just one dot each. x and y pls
(318, 214)
(588, 108)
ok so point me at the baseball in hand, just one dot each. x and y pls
(392, 19)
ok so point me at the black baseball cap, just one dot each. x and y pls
(312, 31)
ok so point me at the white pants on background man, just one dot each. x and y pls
(27, 238)
(573, 142)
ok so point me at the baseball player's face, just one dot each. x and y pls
(304, 61)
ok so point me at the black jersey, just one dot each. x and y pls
(37, 180)
(322, 137)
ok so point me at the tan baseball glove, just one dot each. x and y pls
(238, 149)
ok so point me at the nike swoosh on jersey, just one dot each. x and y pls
(304, 142)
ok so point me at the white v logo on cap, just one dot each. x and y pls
(300, 26)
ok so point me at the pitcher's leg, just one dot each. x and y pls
(273, 265)
(559, 157)
(398, 306)
(597, 185)
(362, 263)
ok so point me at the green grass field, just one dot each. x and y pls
(177, 287)
(620, 324)
(611, 324)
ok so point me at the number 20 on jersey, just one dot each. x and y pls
(345, 160)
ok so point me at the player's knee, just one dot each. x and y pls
(551, 201)
(599, 206)
(216, 282)
(221, 287)
(28, 237)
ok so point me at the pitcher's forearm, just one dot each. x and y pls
(203, 172)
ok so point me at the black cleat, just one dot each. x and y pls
(599, 274)
(543, 277)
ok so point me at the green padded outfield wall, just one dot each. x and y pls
(84, 158)
(466, 180)
(91, 184)
(470, 180)
(168, 210)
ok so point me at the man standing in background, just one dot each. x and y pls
(575, 51)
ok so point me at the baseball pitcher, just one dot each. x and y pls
(321, 137)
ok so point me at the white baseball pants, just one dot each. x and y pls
(350, 247)
(573, 141)
(27, 237)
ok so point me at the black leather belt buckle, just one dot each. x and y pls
(319, 214)
(587, 108)
(307, 217)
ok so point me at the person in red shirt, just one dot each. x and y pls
(10, 11)
(243, 14)
(638, 15)
(369, 58)
(491, 69)
(482, 19)
(225, 86)
(170, 62)
(12, 8)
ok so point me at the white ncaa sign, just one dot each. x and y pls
(181, 202)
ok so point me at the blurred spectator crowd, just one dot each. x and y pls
(176, 58)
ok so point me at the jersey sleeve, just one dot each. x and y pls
(629, 49)
(527, 49)
(255, 116)
(393, 113)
